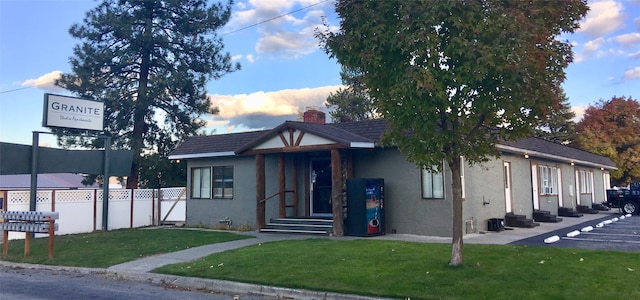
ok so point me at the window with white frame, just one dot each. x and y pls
(201, 183)
(432, 184)
(548, 180)
(223, 182)
(586, 178)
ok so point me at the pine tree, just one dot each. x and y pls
(148, 61)
(558, 125)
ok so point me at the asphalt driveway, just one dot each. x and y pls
(610, 232)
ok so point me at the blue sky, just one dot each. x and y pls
(283, 70)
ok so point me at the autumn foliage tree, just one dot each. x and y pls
(455, 77)
(148, 61)
(612, 128)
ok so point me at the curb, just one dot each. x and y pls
(200, 284)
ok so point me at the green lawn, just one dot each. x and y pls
(420, 271)
(103, 249)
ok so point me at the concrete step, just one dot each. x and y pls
(302, 225)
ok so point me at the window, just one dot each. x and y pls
(548, 180)
(201, 183)
(586, 178)
(432, 184)
(223, 182)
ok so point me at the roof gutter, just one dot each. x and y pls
(553, 157)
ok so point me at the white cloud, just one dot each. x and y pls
(579, 111)
(634, 55)
(629, 39)
(589, 49)
(283, 102)
(45, 82)
(282, 34)
(632, 74)
(250, 58)
(268, 109)
(604, 17)
(236, 57)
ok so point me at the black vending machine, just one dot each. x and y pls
(365, 207)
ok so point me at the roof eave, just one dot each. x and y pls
(201, 155)
(516, 150)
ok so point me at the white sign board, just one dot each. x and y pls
(70, 112)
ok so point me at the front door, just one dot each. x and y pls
(321, 187)
(507, 186)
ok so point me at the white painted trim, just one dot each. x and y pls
(560, 199)
(534, 185)
(361, 145)
(202, 155)
(551, 156)
(508, 193)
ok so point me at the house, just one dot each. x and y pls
(53, 181)
(251, 177)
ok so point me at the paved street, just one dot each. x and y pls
(37, 284)
(612, 232)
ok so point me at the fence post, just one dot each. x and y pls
(131, 210)
(95, 208)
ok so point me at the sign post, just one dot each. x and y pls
(74, 113)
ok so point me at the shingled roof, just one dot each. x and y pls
(368, 131)
(540, 147)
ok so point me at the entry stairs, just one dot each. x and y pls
(301, 225)
(545, 216)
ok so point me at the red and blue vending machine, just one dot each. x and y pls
(365, 207)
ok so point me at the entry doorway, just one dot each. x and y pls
(321, 187)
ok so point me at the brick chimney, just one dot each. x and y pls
(314, 116)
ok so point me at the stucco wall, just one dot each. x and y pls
(241, 209)
(406, 211)
(485, 198)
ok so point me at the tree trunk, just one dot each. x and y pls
(142, 104)
(456, 185)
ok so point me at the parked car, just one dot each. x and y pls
(627, 199)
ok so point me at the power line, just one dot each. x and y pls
(274, 18)
(228, 33)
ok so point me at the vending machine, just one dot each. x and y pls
(365, 207)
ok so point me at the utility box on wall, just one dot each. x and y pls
(365, 207)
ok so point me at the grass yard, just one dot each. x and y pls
(103, 249)
(420, 271)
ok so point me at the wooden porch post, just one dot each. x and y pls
(294, 188)
(307, 186)
(336, 193)
(282, 187)
(349, 161)
(260, 192)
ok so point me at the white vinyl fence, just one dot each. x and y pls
(81, 210)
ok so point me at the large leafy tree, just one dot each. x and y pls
(148, 61)
(455, 77)
(352, 102)
(558, 125)
(612, 128)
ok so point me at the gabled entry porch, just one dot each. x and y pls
(313, 162)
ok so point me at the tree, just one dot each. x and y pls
(612, 128)
(558, 125)
(353, 102)
(148, 61)
(455, 77)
